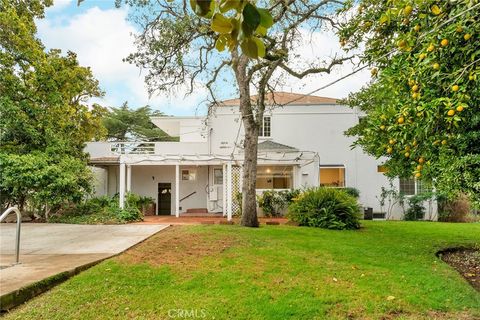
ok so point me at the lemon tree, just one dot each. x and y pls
(423, 104)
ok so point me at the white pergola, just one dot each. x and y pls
(127, 161)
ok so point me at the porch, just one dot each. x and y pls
(182, 188)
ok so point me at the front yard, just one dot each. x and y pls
(386, 270)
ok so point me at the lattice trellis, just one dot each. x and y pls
(236, 190)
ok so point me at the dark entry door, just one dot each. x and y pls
(164, 198)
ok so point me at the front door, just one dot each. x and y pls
(164, 198)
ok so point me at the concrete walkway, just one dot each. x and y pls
(49, 249)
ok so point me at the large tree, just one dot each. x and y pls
(127, 124)
(185, 42)
(44, 116)
(423, 103)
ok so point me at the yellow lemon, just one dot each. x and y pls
(451, 112)
(460, 108)
(467, 36)
(444, 42)
(455, 88)
(436, 66)
(407, 10)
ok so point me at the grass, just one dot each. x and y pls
(386, 270)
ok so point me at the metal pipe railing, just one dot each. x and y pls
(19, 223)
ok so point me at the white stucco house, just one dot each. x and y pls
(301, 144)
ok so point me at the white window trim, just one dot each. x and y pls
(261, 134)
(415, 185)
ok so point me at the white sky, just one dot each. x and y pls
(101, 36)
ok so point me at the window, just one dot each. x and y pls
(407, 186)
(332, 176)
(188, 175)
(274, 177)
(411, 186)
(217, 176)
(265, 127)
(382, 169)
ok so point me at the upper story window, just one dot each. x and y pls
(265, 127)
(332, 176)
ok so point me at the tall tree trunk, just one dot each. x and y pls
(249, 199)
(249, 196)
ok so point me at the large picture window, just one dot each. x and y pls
(332, 176)
(265, 127)
(274, 177)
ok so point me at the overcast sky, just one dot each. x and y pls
(101, 36)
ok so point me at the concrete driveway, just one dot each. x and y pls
(49, 249)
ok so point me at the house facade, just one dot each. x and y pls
(301, 144)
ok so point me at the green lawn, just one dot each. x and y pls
(386, 270)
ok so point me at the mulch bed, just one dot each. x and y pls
(466, 261)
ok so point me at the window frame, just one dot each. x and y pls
(416, 187)
(291, 177)
(214, 177)
(261, 131)
(333, 166)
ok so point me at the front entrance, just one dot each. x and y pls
(164, 198)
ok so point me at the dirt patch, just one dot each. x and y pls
(176, 246)
(466, 261)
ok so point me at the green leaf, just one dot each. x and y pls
(203, 8)
(260, 47)
(228, 5)
(266, 19)
(249, 48)
(221, 24)
(222, 42)
(251, 19)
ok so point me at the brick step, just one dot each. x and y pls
(197, 210)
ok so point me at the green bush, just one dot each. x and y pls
(416, 210)
(273, 202)
(354, 192)
(328, 208)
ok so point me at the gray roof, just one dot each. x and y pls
(269, 145)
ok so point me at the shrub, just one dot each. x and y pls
(416, 210)
(271, 202)
(457, 210)
(354, 192)
(325, 208)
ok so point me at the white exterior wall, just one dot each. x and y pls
(314, 128)
(317, 128)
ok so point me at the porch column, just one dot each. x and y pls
(129, 178)
(224, 190)
(122, 185)
(229, 191)
(177, 190)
